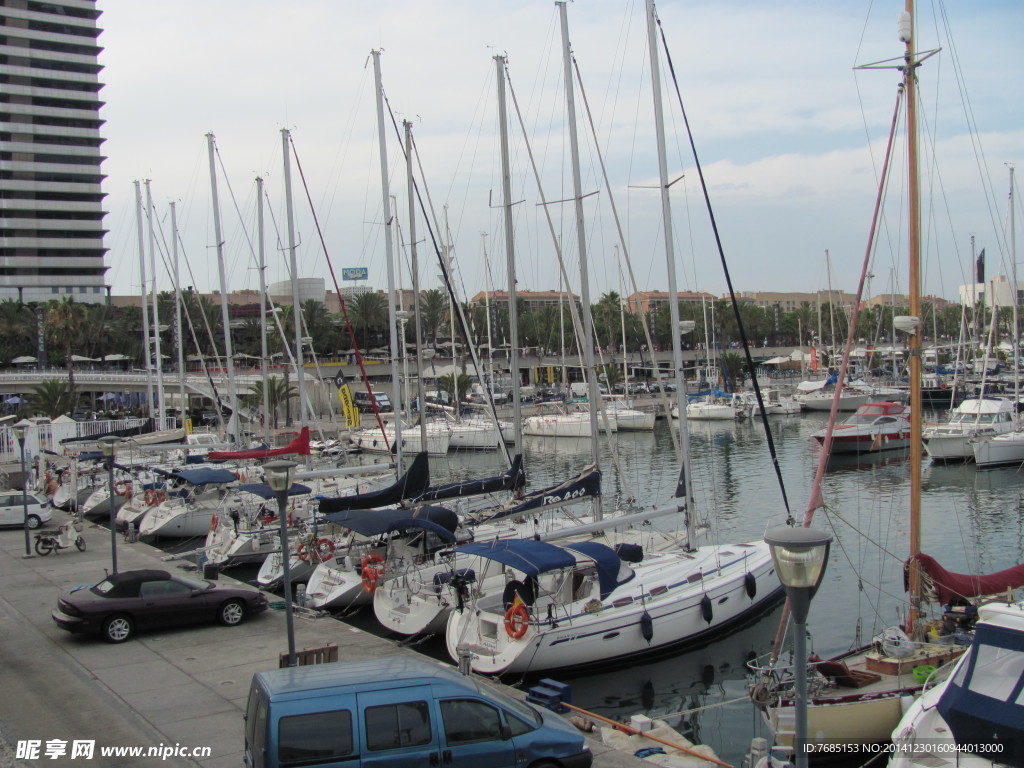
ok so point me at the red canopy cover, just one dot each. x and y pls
(299, 445)
(946, 585)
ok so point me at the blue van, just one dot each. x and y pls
(398, 713)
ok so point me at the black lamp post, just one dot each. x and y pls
(108, 445)
(279, 475)
(19, 433)
(800, 556)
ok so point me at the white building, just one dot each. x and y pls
(998, 292)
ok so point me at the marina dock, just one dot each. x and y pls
(173, 689)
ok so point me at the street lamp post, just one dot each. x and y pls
(19, 433)
(108, 445)
(279, 475)
(800, 556)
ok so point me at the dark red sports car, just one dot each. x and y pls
(125, 602)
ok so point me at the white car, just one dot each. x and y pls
(12, 509)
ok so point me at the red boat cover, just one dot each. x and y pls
(946, 585)
(299, 445)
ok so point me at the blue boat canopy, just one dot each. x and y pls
(527, 555)
(204, 476)
(439, 520)
(609, 564)
(982, 702)
(263, 490)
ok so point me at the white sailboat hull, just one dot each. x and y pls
(583, 636)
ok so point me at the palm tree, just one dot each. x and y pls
(278, 392)
(63, 324)
(17, 329)
(456, 385)
(368, 312)
(52, 398)
(433, 313)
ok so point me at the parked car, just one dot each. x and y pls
(125, 602)
(12, 509)
(362, 401)
(399, 711)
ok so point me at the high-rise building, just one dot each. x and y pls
(51, 203)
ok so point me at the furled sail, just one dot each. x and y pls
(945, 586)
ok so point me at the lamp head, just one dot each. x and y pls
(20, 430)
(279, 474)
(800, 556)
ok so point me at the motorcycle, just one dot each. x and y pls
(69, 533)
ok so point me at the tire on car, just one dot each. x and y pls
(231, 613)
(118, 628)
(34, 521)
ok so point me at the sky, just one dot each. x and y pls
(790, 137)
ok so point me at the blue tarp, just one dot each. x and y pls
(608, 563)
(373, 522)
(414, 482)
(586, 485)
(526, 555)
(263, 490)
(512, 480)
(204, 476)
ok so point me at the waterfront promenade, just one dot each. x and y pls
(183, 688)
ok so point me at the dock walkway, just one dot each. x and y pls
(182, 688)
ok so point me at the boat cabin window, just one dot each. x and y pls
(995, 674)
(582, 581)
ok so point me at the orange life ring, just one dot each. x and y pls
(372, 567)
(302, 553)
(324, 549)
(153, 496)
(123, 488)
(517, 619)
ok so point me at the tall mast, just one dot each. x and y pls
(684, 488)
(415, 268)
(593, 395)
(300, 378)
(510, 254)
(161, 404)
(261, 235)
(147, 358)
(914, 339)
(177, 312)
(396, 382)
(1013, 273)
(232, 425)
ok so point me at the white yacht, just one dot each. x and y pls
(973, 418)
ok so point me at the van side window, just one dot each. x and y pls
(397, 725)
(316, 736)
(467, 722)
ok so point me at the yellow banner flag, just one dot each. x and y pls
(348, 407)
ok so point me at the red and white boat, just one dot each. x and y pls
(874, 427)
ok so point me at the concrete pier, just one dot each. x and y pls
(183, 688)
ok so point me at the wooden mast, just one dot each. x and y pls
(914, 339)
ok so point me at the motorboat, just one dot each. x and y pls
(584, 604)
(874, 427)
(971, 715)
(996, 450)
(973, 418)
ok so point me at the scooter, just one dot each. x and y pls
(63, 538)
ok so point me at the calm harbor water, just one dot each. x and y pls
(972, 522)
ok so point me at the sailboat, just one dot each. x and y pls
(585, 604)
(858, 697)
